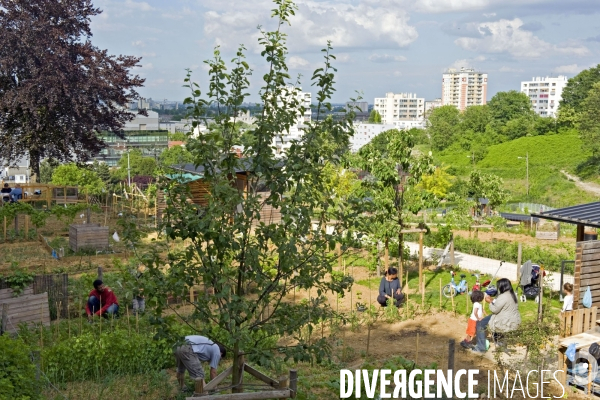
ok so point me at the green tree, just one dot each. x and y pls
(139, 165)
(578, 88)
(396, 171)
(102, 170)
(442, 126)
(231, 249)
(176, 155)
(46, 170)
(438, 183)
(72, 175)
(476, 118)
(487, 186)
(589, 127)
(375, 117)
(507, 106)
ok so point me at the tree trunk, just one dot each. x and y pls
(34, 163)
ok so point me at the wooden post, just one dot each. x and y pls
(386, 255)
(519, 255)
(558, 230)
(451, 344)
(452, 250)
(26, 226)
(4, 318)
(580, 232)
(89, 215)
(191, 294)
(293, 383)
(541, 295)
(100, 272)
(440, 293)
(417, 351)
(421, 261)
(338, 248)
(492, 236)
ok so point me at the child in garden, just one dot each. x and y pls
(476, 315)
(568, 300)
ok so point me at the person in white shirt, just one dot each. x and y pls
(189, 355)
(476, 315)
(568, 300)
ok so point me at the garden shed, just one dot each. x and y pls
(88, 236)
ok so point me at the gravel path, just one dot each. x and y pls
(589, 187)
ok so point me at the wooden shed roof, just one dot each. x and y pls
(583, 214)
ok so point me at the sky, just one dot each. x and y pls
(381, 45)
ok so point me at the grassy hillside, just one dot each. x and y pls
(548, 155)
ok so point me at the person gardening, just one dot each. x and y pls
(389, 288)
(101, 301)
(189, 356)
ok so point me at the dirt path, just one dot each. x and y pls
(589, 187)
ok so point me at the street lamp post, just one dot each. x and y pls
(527, 170)
(128, 170)
(472, 157)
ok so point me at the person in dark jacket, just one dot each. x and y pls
(390, 288)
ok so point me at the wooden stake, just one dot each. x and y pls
(69, 319)
(452, 293)
(368, 337)
(440, 293)
(128, 325)
(26, 227)
(417, 352)
(421, 260)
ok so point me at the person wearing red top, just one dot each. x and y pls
(102, 301)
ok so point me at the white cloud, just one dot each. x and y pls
(444, 6)
(138, 43)
(363, 25)
(386, 58)
(489, 15)
(506, 36)
(148, 66)
(342, 58)
(509, 69)
(568, 69)
(138, 5)
(467, 62)
(296, 62)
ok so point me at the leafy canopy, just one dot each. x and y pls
(57, 90)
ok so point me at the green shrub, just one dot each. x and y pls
(92, 356)
(17, 372)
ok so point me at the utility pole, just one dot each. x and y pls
(128, 170)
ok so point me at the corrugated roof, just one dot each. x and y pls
(185, 178)
(583, 214)
(518, 217)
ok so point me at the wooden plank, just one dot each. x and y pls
(591, 251)
(259, 375)
(23, 299)
(589, 244)
(218, 379)
(8, 293)
(590, 257)
(590, 267)
(268, 394)
(589, 281)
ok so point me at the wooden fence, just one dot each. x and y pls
(587, 272)
(57, 287)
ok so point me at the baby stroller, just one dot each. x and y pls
(530, 282)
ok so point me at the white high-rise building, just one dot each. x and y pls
(400, 107)
(432, 105)
(365, 132)
(545, 93)
(464, 88)
(283, 141)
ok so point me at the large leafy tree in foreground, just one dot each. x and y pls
(57, 90)
(255, 265)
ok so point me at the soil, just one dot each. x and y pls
(515, 237)
(589, 187)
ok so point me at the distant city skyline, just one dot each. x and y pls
(381, 45)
